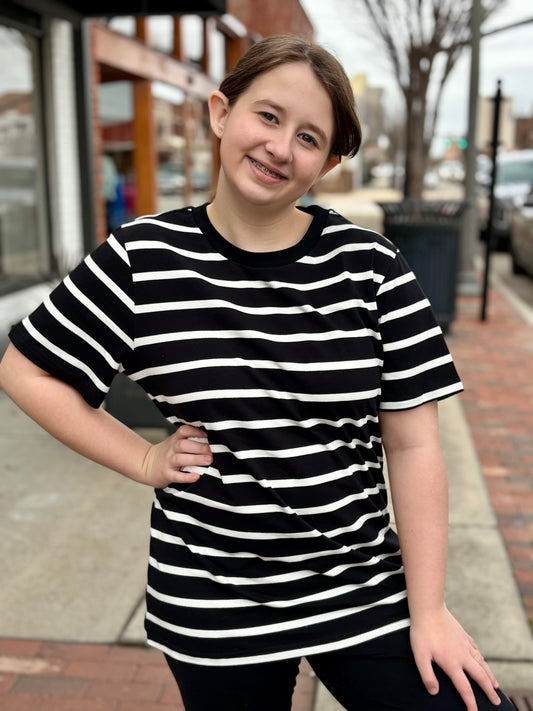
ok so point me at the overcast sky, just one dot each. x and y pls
(507, 56)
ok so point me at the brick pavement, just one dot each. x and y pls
(52, 676)
(495, 361)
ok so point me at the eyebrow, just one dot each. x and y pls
(311, 126)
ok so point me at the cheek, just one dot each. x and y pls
(312, 166)
(237, 142)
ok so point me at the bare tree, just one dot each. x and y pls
(423, 40)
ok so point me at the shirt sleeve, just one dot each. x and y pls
(417, 365)
(84, 329)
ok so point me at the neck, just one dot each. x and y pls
(257, 228)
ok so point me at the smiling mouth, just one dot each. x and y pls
(266, 171)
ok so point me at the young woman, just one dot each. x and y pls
(289, 348)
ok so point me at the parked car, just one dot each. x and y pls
(521, 241)
(514, 178)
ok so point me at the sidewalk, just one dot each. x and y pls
(73, 541)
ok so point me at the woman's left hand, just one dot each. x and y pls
(438, 637)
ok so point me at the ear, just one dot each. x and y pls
(218, 112)
(333, 161)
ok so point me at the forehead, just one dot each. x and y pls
(294, 87)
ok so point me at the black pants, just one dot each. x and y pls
(380, 675)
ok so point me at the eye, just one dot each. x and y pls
(268, 116)
(306, 138)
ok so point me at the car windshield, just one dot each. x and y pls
(519, 172)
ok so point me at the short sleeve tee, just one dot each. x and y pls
(283, 547)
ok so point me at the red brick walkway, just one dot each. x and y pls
(495, 361)
(50, 676)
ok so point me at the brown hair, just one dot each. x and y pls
(284, 49)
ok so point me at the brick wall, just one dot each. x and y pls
(272, 17)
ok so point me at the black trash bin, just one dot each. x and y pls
(427, 234)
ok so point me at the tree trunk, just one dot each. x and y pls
(417, 148)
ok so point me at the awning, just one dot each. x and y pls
(75, 10)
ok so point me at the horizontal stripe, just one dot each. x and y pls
(259, 335)
(345, 249)
(293, 451)
(257, 393)
(175, 274)
(303, 482)
(395, 283)
(291, 653)
(326, 310)
(405, 311)
(412, 340)
(254, 509)
(421, 399)
(223, 425)
(291, 483)
(142, 244)
(418, 369)
(151, 220)
(261, 364)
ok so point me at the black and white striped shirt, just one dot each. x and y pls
(283, 546)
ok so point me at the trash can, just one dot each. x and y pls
(427, 234)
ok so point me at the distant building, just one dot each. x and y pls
(524, 132)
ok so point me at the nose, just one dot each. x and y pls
(280, 146)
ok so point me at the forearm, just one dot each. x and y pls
(419, 491)
(60, 410)
(420, 499)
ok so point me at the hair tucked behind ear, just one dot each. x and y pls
(275, 51)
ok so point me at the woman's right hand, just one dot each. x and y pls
(164, 462)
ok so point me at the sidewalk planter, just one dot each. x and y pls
(427, 234)
(128, 402)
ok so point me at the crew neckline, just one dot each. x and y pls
(277, 258)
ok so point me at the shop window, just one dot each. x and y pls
(24, 242)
